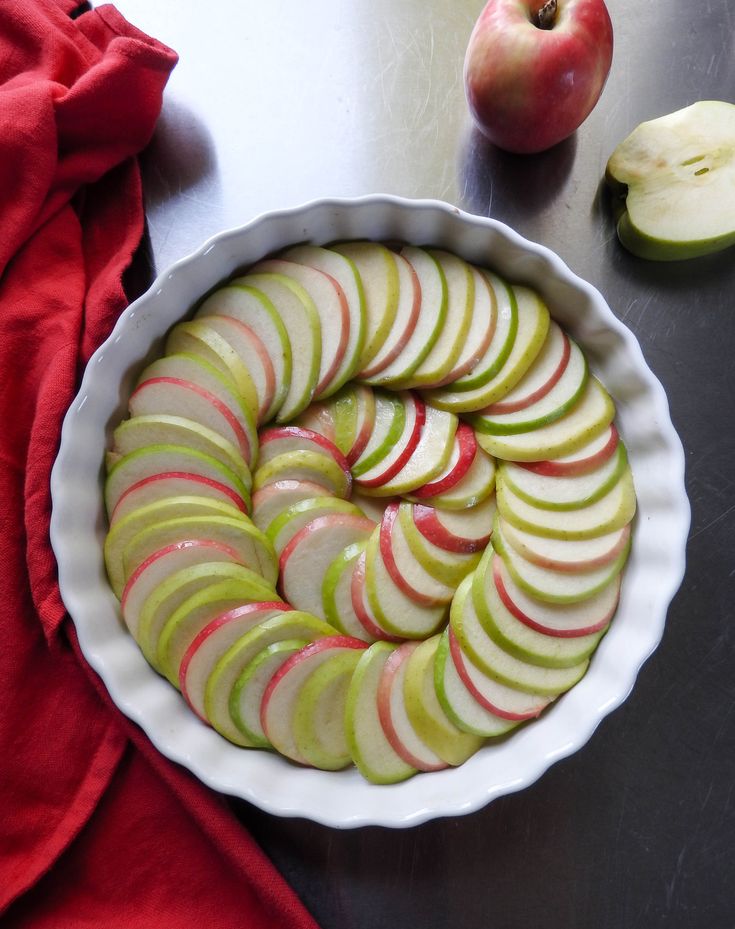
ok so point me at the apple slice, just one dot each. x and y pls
(453, 336)
(225, 673)
(431, 318)
(428, 458)
(326, 298)
(302, 321)
(503, 337)
(277, 496)
(458, 702)
(467, 530)
(281, 439)
(565, 493)
(425, 712)
(173, 396)
(446, 566)
(173, 484)
(553, 619)
(476, 485)
(149, 461)
(404, 323)
(161, 430)
(361, 605)
(403, 567)
(533, 325)
(337, 593)
(378, 271)
(252, 308)
(613, 511)
(547, 409)
(293, 519)
(388, 425)
(398, 728)
(377, 477)
(254, 549)
(390, 607)
(481, 330)
(281, 697)
(496, 662)
(214, 640)
(565, 554)
(319, 417)
(160, 565)
(307, 557)
(588, 418)
(197, 611)
(354, 420)
(543, 374)
(464, 449)
(191, 338)
(317, 467)
(167, 596)
(370, 749)
(590, 456)
(125, 529)
(506, 702)
(246, 696)
(344, 272)
(318, 725)
(205, 357)
(673, 177)
(372, 507)
(519, 639)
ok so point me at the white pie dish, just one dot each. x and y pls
(343, 799)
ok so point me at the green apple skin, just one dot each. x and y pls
(302, 464)
(451, 569)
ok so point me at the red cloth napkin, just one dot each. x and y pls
(96, 828)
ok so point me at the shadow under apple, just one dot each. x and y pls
(512, 187)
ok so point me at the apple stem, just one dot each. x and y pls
(546, 16)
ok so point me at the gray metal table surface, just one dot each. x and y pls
(273, 104)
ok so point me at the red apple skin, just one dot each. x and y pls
(429, 525)
(529, 88)
(553, 468)
(465, 438)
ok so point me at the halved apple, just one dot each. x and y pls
(673, 177)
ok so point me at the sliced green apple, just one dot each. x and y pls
(480, 332)
(449, 567)
(673, 177)
(291, 520)
(337, 593)
(160, 486)
(305, 465)
(277, 496)
(567, 554)
(388, 426)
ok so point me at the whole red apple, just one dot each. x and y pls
(534, 70)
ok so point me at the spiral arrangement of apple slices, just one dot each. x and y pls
(369, 507)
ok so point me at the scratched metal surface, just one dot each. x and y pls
(276, 103)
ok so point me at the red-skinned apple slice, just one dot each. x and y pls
(291, 520)
(354, 419)
(553, 619)
(329, 301)
(388, 425)
(481, 330)
(403, 568)
(567, 555)
(361, 605)
(505, 702)
(337, 593)
(279, 439)
(466, 530)
(173, 484)
(516, 637)
(399, 455)
(476, 485)
(317, 467)
(252, 308)
(274, 498)
(162, 564)
(397, 727)
(463, 454)
(541, 376)
(149, 461)
(447, 567)
(387, 602)
(587, 458)
(404, 323)
(281, 695)
(214, 640)
(318, 417)
(307, 557)
(371, 751)
(431, 317)
(458, 702)
(174, 397)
